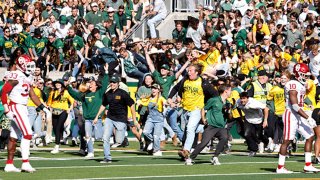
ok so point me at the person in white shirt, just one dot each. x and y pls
(66, 10)
(159, 12)
(305, 11)
(314, 57)
(256, 118)
(61, 27)
(195, 31)
(240, 5)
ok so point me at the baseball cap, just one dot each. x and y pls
(115, 78)
(165, 66)
(157, 86)
(110, 9)
(267, 37)
(94, 4)
(262, 73)
(49, 3)
(63, 20)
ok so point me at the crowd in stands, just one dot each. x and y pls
(227, 66)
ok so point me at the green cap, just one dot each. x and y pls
(115, 78)
(215, 16)
(63, 19)
(165, 66)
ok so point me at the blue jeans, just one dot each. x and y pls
(172, 115)
(109, 125)
(152, 130)
(136, 74)
(168, 129)
(75, 70)
(151, 23)
(35, 120)
(91, 128)
(190, 121)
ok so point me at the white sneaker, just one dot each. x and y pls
(283, 171)
(115, 145)
(189, 162)
(205, 150)
(55, 149)
(277, 148)
(11, 168)
(89, 155)
(66, 141)
(215, 161)
(158, 153)
(261, 147)
(150, 147)
(26, 167)
(311, 168)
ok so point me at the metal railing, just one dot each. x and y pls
(141, 26)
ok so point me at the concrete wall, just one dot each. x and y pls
(167, 26)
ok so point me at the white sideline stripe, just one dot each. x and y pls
(191, 175)
(146, 165)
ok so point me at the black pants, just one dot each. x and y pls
(253, 135)
(58, 125)
(278, 134)
(209, 133)
(79, 118)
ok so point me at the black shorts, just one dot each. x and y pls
(316, 115)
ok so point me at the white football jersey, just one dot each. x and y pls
(20, 93)
(294, 85)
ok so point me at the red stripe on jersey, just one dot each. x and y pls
(289, 125)
(285, 125)
(18, 117)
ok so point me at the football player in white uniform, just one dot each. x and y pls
(18, 89)
(295, 119)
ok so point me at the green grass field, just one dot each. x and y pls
(128, 163)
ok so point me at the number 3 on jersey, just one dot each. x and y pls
(26, 87)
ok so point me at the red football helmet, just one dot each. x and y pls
(301, 72)
(25, 64)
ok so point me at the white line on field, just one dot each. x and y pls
(176, 176)
(146, 165)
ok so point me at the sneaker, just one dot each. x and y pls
(283, 170)
(74, 141)
(316, 160)
(310, 168)
(65, 141)
(215, 161)
(106, 161)
(89, 155)
(116, 145)
(261, 147)
(150, 147)
(26, 167)
(189, 162)
(55, 149)
(125, 142)
(252, 154)
(11, 168)
(82, 152)
(158, 153)
(205, 150)
(277, 148)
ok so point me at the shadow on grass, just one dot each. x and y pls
(136, 152)
(99, 160)
(269, 169)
